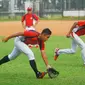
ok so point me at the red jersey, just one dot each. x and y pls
(81, 29)
(31, 37)
(81, 23)
(28, 18)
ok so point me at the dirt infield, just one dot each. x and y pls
(59, 28)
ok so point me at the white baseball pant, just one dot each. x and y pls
(76, 40)
(21, 47)
(30, 28)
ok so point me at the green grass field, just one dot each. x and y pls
(18, 71)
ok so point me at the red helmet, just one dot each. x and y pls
(29, 8)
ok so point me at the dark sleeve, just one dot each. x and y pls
(42, 45)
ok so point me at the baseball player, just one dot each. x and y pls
(29, 21)
(77, 30)
(21, 46)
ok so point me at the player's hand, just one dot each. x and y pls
(68, 35)
(34, 26)
(48, 66)
(4, 39)
(52, 73)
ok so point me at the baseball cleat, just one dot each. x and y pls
(41, 75)
(56, 54)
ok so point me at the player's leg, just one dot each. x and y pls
(4, 59)
(83, 55)
(26, 50)
(78, 40)
(11, 56)
(69, 51)
(65, 51)
(75, 41)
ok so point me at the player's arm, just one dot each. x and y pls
(36, 18)
(22, 21)
(23, 25)
(12, 36)
(44, 57)
(73, 26)
(36, 23)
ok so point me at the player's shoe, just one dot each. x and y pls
(56, 54)
(40, 75)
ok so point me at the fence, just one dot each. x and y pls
(43, 8)
(54, 7)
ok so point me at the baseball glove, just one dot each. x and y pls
(52, 73)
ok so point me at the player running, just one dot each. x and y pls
(77, 30)
(21, 46)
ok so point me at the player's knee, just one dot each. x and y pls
(73, 51)
(11, 57)
(30, 56)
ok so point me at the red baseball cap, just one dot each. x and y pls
(29, 8)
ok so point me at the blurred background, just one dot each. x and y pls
(43, 8)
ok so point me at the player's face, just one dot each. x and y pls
(44, 37)
(30, 12)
